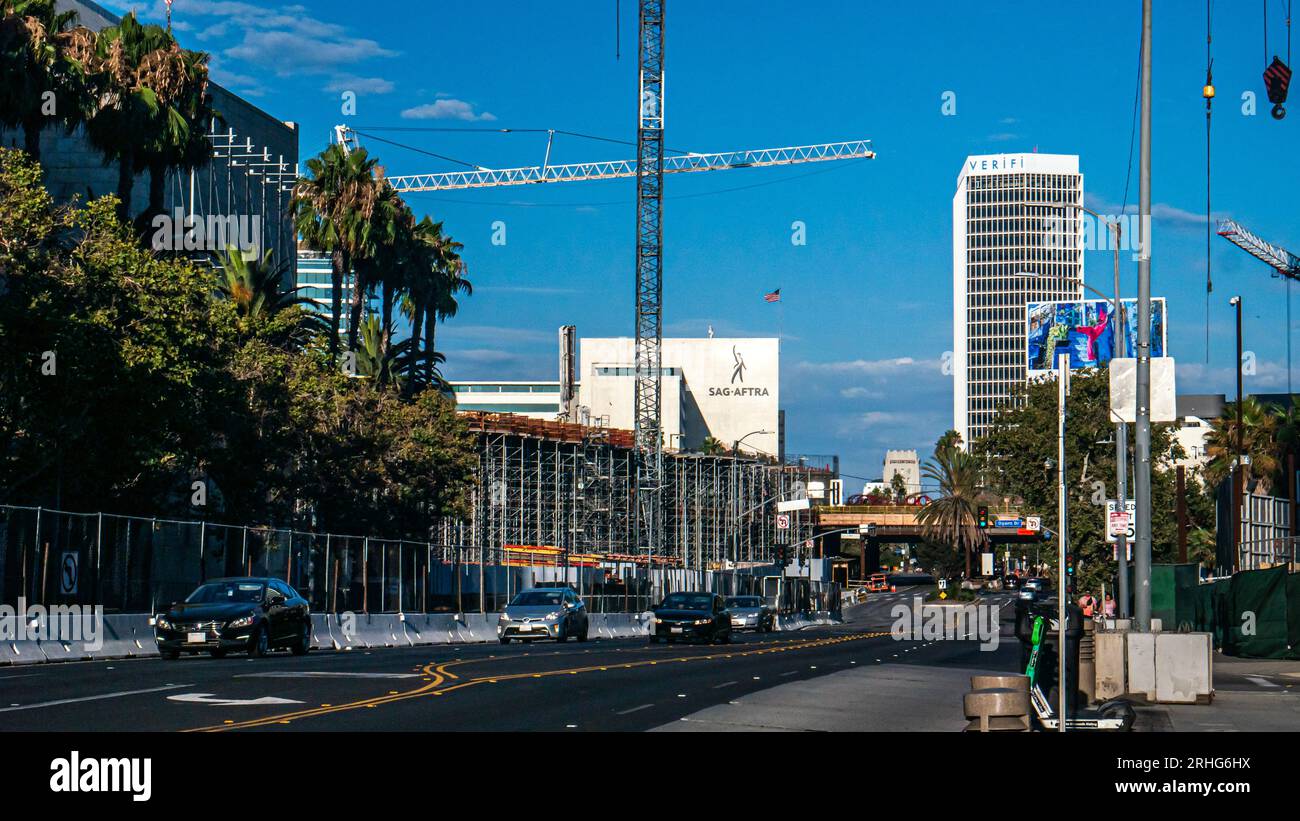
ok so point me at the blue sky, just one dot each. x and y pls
(866, 316)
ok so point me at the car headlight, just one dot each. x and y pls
(553, 616)
(163, 623)
(504, 618)
(243, 621)
(659, 621)
(703, 621)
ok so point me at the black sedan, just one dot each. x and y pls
(691, 616)
(253, 615)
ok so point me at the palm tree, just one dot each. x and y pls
(35, 68)
(1259, 437)
(378, 261)
(183, 143)
(255, 287)
(141, 80)
(450, 283)
(951, 520)
(712, 446)
(332, 209)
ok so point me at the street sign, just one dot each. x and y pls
(793, 505)
(782, 521)
(1034, 523)
(1120, 522)
(68, 574)
(1008, 523)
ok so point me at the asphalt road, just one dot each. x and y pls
(624, 685)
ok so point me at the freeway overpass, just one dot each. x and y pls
(898, 524)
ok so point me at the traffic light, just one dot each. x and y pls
(983, 516)
(1069, 572)
(782, 557)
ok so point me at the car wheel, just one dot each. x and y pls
(217, 654)
(561, 635)
(726, 637)
(303, 646)
(260, 644)
(169, 655)
(654, 639)
(504, 640)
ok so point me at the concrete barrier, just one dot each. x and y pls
(1184, 668)
(1111, 665)
(21, 652)
(1141, 660)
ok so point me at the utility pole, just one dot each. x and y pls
(1063, 536)
(1121, 444)
(1142, 436)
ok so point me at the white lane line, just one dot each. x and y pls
(635, 709)
(724, 684)
(323, 674)
(92, 698)
(792, 672)
(1263, 682)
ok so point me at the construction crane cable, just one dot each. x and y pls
(417, 150)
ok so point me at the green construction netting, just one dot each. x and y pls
(1255, 614)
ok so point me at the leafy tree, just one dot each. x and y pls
(1020, 454)
(899, 486)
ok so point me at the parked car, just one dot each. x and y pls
(246, 614)
(544, 613)
(691, 616)
(750, 613)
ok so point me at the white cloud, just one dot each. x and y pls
(360, 85)
(447, 109)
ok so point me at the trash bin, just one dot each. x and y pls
(1047, 656)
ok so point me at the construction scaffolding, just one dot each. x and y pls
(574, 487)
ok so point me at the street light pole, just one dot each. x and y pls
(1121, 447)
(1238, 474)
(1142, 437)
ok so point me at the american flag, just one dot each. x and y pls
(775, 296)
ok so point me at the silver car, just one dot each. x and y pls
(544, 613)
(750, 613)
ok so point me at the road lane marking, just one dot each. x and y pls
(323, 674)
(209, 698)
(92, 698)
(634, 709)
(724, 684)
(440, 675)
(1263, 682)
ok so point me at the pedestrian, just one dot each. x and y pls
(1088, 603)
(1109, 606)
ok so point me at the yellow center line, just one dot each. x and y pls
(438, 674)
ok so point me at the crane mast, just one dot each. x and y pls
(649, 275)
(649, 169)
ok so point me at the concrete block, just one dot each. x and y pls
(1184, 668)
(1110, 664)
(1141, 662)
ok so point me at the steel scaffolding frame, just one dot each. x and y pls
(580, 494)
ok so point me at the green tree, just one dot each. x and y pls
(1260, 429)
(255, 288)
(332, 209)
(1020, 454)
(949, 521)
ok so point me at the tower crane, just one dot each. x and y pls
(649, 169)
(1283, 262)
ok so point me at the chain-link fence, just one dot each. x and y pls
(131, 564)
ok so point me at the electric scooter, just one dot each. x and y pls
(1115, 715)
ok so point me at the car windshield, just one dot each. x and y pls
(227, 592)
(689, 601)
(538, 598)
(744, 601)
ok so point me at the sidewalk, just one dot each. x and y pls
(877, 698)
(1250, 695)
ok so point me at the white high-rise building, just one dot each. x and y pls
(1006, 254)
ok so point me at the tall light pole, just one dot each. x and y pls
(1063, 527)
(1121, 427)
(1238, 473)
(1142, 437)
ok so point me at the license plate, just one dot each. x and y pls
(525, 628)
(197, 638)
(676, 629)
(737, 621)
